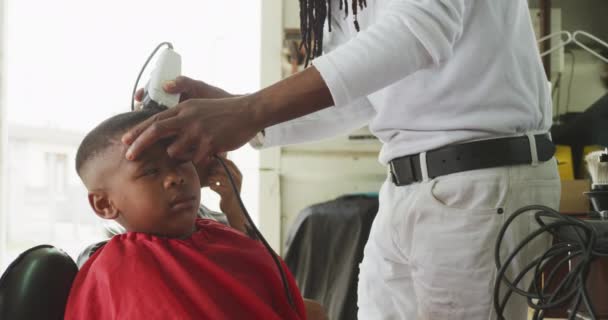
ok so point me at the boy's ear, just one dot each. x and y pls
(101, 204)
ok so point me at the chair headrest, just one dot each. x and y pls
(88, 252)
(37, 284)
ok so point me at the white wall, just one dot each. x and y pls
(291, 11)
(586, 85)
(3, 132)
(269, 201)
(272, 38)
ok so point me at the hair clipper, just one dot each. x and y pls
(168, 67)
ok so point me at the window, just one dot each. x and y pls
(70, 64)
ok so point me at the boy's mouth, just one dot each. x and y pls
(182, 202)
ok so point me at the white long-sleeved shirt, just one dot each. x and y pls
(428, 73)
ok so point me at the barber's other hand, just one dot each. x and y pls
(214, 176)
(199, 128)
(314, 310)
(218, 181)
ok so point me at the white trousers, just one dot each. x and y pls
(430, 254)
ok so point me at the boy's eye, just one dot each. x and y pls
(184, 162)
(150, 172)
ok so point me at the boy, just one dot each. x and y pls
(169, 264)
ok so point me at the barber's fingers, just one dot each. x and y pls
(135, 132)
(203, 150)
(139, 95)
(138, 105)
(233, 170)
(220, 184)
(161, 125)
(181, 84)
(183, 147)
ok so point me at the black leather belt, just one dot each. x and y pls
(471, 156)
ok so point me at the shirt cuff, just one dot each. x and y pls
(258, 141)
(331, 75)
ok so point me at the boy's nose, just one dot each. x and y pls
(173, 180)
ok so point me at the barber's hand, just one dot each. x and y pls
(218, 181)
(314, 310)
(189, 89)
(215, 177)
(199, 128)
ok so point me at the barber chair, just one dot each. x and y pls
(36, 285)
(324, 248)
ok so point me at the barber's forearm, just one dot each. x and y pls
(293, 97)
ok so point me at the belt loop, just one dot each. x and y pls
(423, 167)
(391, 172)
(533, 149)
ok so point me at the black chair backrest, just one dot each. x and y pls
(88, 252)
(37, 284)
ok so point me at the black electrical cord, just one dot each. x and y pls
(143, 68)
(583, 247)
(571, 79)
(258, 233)
(555, 94)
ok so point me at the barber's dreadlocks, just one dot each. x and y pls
(313, 14)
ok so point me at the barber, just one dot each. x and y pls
(456, 92)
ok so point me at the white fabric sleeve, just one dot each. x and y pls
(319, 125)
(409, 36)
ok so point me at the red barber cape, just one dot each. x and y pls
(217, 273)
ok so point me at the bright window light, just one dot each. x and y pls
(71, 64)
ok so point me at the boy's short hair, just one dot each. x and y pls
(100, 138)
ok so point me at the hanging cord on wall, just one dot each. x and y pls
(578, 252)
(571, 78)
(555, 94)
(258, 233)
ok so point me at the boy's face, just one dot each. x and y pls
(154, 194)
